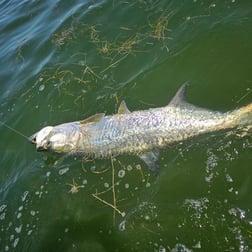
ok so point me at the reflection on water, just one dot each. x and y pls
(64, 62)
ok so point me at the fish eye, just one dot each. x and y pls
(48, 144)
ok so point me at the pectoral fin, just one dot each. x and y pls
(93, 118)
(151, 160)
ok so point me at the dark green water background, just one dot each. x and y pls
(66, 60)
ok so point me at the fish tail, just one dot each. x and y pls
(243, 116)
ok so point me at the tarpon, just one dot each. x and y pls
(142, 133)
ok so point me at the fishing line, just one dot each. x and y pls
(14, 130)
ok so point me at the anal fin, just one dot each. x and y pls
(151, 159)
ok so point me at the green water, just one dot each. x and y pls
(63, 61)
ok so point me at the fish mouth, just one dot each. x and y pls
(40, 149)
(32, 138)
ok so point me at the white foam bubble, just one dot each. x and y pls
(18, 229)
(29, 232)
(2, 207)
(122, 225)
(63, 170)
(106, 185)
(161, 248)
(197, 245)
(138, 167)
(129, 168)
(24, 195)
(148, 184)
(12, 237)
(41, 87)
(15, 243)
(2, 216)
(39, 194)
(93, 168)
(229, 179)
(19, 215)
(32, 212)
(121, 173)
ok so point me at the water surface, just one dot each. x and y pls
(64, 61)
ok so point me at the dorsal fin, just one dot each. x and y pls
(93, 118)
(123, 109)
(179, 98)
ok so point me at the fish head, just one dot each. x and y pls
(52, 139)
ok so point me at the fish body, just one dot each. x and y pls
(140, 133)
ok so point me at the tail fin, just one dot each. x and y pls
(243, 116)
